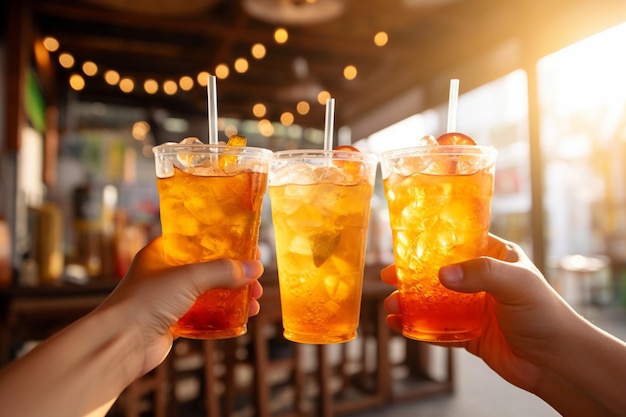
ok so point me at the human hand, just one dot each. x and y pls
(154, 295)
(523, 314)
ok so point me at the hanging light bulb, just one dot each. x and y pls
(77, 82)
(112, 77)
(90, 68)
(127, 85)
(151, 86)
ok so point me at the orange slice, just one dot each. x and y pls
(455, 138)
(348, 167)
(237, 140)
(227, 160)
(347, 148)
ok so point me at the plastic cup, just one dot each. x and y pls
(320, 210)
(210, 200)
(439, 201)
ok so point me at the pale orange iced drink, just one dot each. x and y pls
(210, 201)
(439, 201)
(320, 210)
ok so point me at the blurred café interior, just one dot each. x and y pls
(90, 86)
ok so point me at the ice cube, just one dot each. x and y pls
(298, 174)
(207, 170)
(305, 218)
(330, 174)
(191, 140)
(405, 167)
(337, 288)
(428, 140)
(331, 309)
(300, 246)
(188, 159)
(469, 164)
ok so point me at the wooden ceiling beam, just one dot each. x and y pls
(208, 27)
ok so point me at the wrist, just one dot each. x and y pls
(588, 362)
(120, 342)
(569, 399)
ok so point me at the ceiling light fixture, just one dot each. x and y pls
(294, 12)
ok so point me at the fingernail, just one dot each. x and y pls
(452, 274)
(252, 269)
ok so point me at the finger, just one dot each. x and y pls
(150, 255)
(254, 308)
(256, 290)
(506, 281)
(222, 273)
(503, 250)
(388, 275)
(392, 303)
(394, 322)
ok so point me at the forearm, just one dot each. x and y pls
(589, 371)
(569, 399)
(78, 372)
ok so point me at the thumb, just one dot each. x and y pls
(222, 273)
(507, 282)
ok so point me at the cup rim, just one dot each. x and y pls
(174, 148)
(440, 150)
(322, 153)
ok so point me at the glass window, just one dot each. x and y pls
(582, 94)
(495, 114)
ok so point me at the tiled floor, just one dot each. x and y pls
(482, 393)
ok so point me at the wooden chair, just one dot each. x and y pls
(371, 371)
(362, 370)
(148, 393)
(252, 371)
(417, 377)
(276, 361)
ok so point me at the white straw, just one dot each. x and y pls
(452, 104)
(329, 124)
(211, 88)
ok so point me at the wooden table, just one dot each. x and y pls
(35, 313)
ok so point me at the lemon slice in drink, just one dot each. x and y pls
(323, 245)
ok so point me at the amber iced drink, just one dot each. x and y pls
(210, 199)
(320, 210)
(439, 201)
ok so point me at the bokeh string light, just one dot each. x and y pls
(150, 86)
(186, 83)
